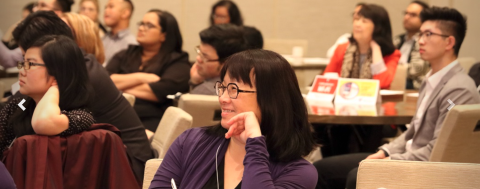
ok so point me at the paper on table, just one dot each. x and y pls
(412, 95)
(316, 60)
(391, 92)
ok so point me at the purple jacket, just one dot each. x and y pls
(190, 161)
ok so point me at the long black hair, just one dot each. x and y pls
(284, 121)
(173, 41)
(382, 32)
(233, 12)
(70, 71)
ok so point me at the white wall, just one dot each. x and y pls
(318, 21)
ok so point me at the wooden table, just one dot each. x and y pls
(393, 111)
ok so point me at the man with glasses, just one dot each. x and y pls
(408, 46)
(217, 43)
(441, 35)
(117, 16)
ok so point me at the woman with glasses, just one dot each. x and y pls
(57, 93)
(224, 12)
(370, 53)
(263, 134)
(157, 67)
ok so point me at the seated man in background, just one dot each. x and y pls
(108, 104)
(441, 35)
(407, 43)
(117, 16)
(218, 42)
(254, 37)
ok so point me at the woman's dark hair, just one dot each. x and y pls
(70, 71)
(37, 25)
(233, 12)
(449, 21)
(382, 32)
(284, 121)
(29, 7)
(173, 40)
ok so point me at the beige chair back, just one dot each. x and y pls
(150, 169)
(373, 174)
(174, 122)
(285, 46)
(2, 90)
(204, 109)
(314, 155)
(459, 139)
(399, 82)
(130, 98)
(466, 63)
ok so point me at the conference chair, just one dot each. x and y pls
(314, 155)
(399, 82)
(150, 169)
(466, 63)
(459, 139)
(389, 174)
(204, 109)
(173, 123)
(130, 98)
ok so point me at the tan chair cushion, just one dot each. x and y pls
(201, 107)
(458, 141)
(399, 82)
(150, 169)
(466, 63)
(314, 155)
(130, 98)
(174, 122)
(390, 174)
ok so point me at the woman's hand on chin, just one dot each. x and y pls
(374, 45)
(244, 125)
(47, 119)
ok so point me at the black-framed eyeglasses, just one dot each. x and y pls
(27, 65)
(205, 60)
(232, 90)
(146, 25)
(427, 35)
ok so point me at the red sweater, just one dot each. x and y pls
(385, 77)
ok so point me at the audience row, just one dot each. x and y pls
(72, 73)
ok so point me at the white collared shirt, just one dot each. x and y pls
(407, 48)
(431, 82)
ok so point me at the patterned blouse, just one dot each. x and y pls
(79, 120)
